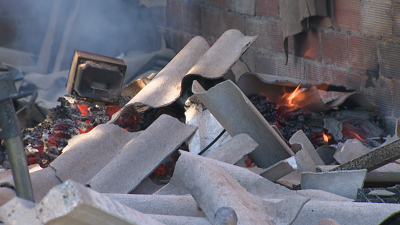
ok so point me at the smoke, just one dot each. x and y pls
(102, 27)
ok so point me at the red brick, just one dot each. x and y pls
(377, 17)
(225, 4)
(248, 59)
(321, 21)
(232, 21)
(174, 14)
(268, 8)
(192, 15)
(266, 64)
(179, 40)
(270, 37)
(276, 36)
(349, 80)
(212, 23)
(259, 27)
(334, 48)
(244, 6)
(307, 45)
(317, 72)
(347, 14)
(294, 67)
(362, 54)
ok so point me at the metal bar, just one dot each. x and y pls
(19, 168)
(372, 160)
(10, 132)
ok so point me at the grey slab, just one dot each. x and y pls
(214, 188)
(177, 205)
(19, 211)
(374, 159)
(351, 149)
(243, 117)
(147, 186)
(234, 149)
(304, 161)
(73, 203)
(42, 180)
(344, 183)
(320, 195)
(300, 137)
(196, 58)
(142, 156)
(280, 169)
(326, 154)
(180, 220)
(6, 194)
(252, 182)
(346, 213)
(86, 154)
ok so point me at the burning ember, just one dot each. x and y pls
(46, 141)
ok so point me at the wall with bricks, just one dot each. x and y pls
(357, 45)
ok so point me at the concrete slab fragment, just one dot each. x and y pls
(180, 220)
(346, 213)
(303, 160)
(252, 182)
(344, 183)
(147, 186)
(196, 58)
(19, 211)
(6, 194)
(183, 205)
(86, 154)
(234, 149)
(351, 149)
(326, 154)
(381, 193)
(374, 159)
(42, 180)
(208, 128)
(214, 188)
(301, 138)
(243, 118)
(141, 157)
(280, 169)
(387, 173)
(72, 203)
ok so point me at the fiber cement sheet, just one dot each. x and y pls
(238, 115)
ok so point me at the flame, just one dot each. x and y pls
(326, 137)
(292, 96)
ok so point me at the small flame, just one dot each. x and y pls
(326, 137)
(292, 96)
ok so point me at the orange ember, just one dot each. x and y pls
(84, 109)
(292, 96)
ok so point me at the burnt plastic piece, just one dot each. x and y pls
(96, 76)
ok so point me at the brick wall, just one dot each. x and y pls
(357, 46)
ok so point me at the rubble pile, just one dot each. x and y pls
(104, 176)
